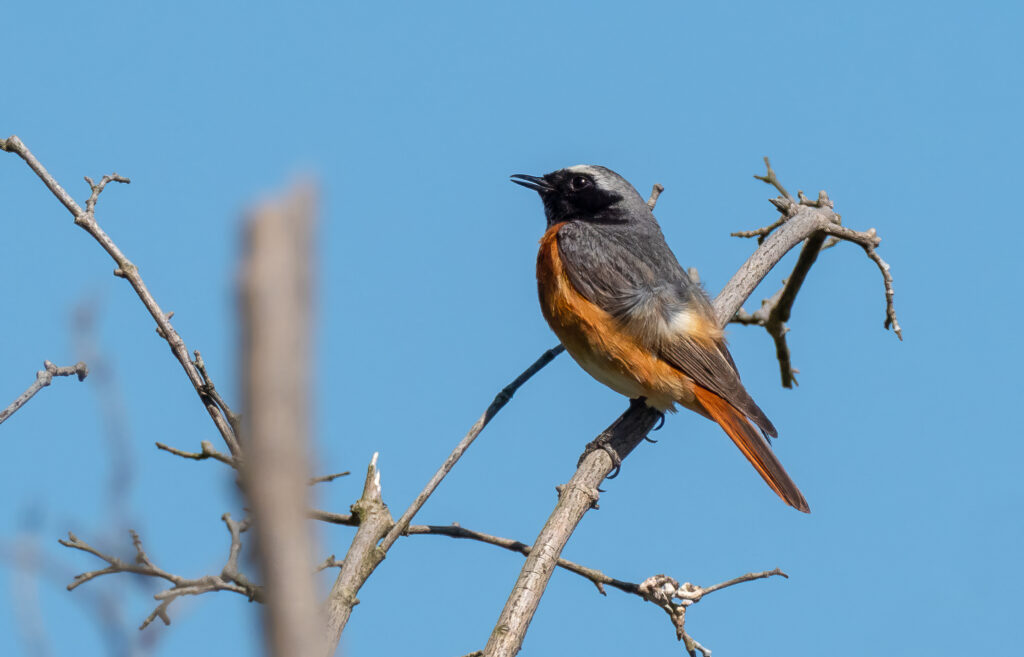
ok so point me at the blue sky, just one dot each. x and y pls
(411, 116)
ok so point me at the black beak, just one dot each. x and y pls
(535, 183)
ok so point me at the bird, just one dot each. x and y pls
(626, 311)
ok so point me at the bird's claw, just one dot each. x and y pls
(602, 443)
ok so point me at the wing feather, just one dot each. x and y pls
(632, 274)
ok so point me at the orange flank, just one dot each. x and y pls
(595, 340)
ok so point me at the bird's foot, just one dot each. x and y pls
(603, 442)
(661, 423)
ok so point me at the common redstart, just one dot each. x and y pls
(615, 295)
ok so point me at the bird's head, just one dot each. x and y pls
(586, 192)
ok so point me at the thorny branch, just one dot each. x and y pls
(229, 579)
(44, 377)
(86, 219)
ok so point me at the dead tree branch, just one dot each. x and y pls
(44, 377)
(775, 311)
(86, 219)
(208, 452)
(499, 402)
(230, 578)
(363, 557)
(655, 193)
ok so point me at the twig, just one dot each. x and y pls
(328, 478)
(229, 579)
(655, 193)
(769, 177)
(456, 531)
(775, 311)
(126, 269)
(499, 402)
(664, 591)
(44, 377)
(208, 452)
(660, 589)
(376, 525)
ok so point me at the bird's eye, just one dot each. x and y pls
(579, 182)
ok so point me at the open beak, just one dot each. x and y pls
(535, 183)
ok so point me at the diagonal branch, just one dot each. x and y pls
(499, 402)
(44, 377)
(364, 553)
(86, 219)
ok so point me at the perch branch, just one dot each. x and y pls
(44, 377)
(86, 219)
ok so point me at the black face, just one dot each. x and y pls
(573, 194)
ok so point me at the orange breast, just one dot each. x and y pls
(596, 341)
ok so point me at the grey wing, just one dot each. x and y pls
(634, 276)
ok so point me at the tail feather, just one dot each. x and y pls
(753, 446)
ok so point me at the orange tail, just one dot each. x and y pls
(753, 446)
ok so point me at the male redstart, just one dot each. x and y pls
(624, 309)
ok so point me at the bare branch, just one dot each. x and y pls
(229, 580)
(208, 453)
(126, 269)
(328, 478)
(575, 499)
(363, 557)
(375, 523)
(769, 177)
(665, 591)
(775, 311)
(44, 377)
(499, 402)
(655, 193)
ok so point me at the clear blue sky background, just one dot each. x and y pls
(412, 116)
